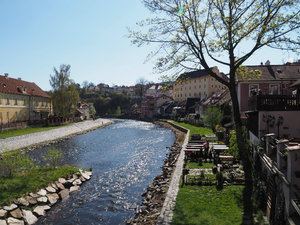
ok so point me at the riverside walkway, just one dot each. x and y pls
(28, 140)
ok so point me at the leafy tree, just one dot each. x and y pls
(92, 109)
(213, 117)
(118, 111)
(195, 33)
(53, 156)
(64, 95)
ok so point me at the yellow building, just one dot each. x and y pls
(22, 101)
(197, 84)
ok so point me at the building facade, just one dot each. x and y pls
(22, 101)
(197, 84)
(273, 80)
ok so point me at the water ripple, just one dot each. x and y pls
(125, 158)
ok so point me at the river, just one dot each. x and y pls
(125, 158)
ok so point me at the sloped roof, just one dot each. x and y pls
(275, 72)
(16, 86)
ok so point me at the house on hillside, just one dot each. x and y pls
(82, 111)
(274, 80)
(22, 102)
(151, 106)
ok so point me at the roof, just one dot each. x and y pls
(193, 75)
(20, 87)
(275, 72)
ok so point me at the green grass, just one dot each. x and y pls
(21, 183)
(28, 130)
(195, 165)
(194, 129)
(207, 206)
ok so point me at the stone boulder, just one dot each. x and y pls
(3, 213)
(23, 201)
(41, 210)
(74, 189)
(42, 192)
(42, 200)
(62, 180)
(54, 186)
(51, 189)
(31, 200)
(13, 221)
(16, 213)
(64, 194)
(29, 217)
(77, 182)
(60, 186)
(53, 198)
(10, 208)
(33, 195)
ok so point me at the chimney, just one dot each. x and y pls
(6, 75)
(267, 63)
(19, 78)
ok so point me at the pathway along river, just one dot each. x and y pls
(125, 158)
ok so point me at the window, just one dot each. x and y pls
(16, 116)
(274, 89)
(16, 101)
(24, 101)
(7, 115)
(253, 89)
(7, 101)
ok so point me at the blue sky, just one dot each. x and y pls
(90, 35)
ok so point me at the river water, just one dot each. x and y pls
(125, 158)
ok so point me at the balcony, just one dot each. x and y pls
(274, 103)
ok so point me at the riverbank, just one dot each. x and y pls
(159, 198)
(46, 137)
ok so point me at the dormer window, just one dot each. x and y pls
(279, 71)
(24, 89)
(4, 85)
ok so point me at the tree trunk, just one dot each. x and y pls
(244, 152)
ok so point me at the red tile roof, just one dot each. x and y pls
(17, 86)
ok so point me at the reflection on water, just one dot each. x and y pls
(125, 158)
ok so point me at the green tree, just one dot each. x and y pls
(92, 109)
(213, 117)
(64, 94)
(194, 33)
(118, 111)
(53, 156)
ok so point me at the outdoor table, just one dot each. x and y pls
(220, 148)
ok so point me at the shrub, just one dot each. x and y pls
(13, 162)
(53, 156)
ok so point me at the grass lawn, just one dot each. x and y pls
(194, 129)
(205, 205)
(195, 165)
(22, 183)
(28, 130)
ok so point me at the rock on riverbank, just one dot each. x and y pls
(42, 201)
(154, 196)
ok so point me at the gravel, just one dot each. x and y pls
(33, 139)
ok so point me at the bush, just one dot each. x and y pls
(53, 156)
(13, 162)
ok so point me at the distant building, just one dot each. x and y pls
(197, 84)
(22, 101)
(82, 111)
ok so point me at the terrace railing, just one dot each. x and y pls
(274, 102)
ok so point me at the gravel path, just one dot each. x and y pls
(32, 139)
(166, 214)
